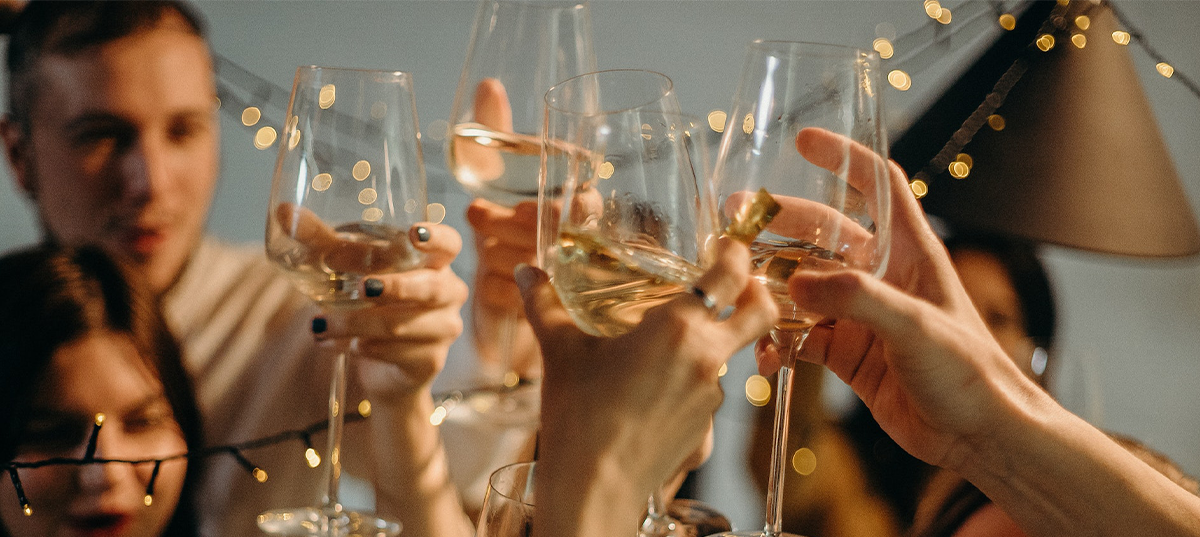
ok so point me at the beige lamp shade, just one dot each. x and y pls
(1079, 162)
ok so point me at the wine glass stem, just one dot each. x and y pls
(657, 523)
(337, 406)
(507, 338)
(783, 404)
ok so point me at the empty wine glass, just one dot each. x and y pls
(508, 503)
(637, 213)
(349, 182)
(806, 127)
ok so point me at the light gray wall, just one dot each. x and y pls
(1130, 342)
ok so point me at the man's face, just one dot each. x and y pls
(122, 148)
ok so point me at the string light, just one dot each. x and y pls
(724, 370)
(899, 80)
(1165, 69)
(435, 212)
(1008, 22)
(1079, 40)
(933, 8)
(1045, 42)
(919, 188)
(996, 122)
(1120, 37)
(364, 408)
(251, 115)
(758, 390)
(1083, 22)
(804, 461)
(944, 17)
(883, 47)
(361, 170)
(265, 137)
(716, 121)
(235, 450)
(90, 452)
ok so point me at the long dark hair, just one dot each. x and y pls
(51, 297)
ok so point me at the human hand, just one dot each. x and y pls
(642, 402)
(911, 346)
(504, 239)
(413, 315)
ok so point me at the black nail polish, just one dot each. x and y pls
(373, 287)
(423, 234)
(319, 325)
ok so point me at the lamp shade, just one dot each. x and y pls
(1079, 161)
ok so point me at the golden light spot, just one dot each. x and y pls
(646, 130)
(919, 188)
(260, 475)
(996, 122)
(944, 17)
(716, 121)
(1008, 22)
(313, 459)
(1063, 2)
(367, 196)
(334, 409)
(438, 416)
(933, 8)
(605, 171)
(265, 137)
(1165, 69)
(294, 139)
(511, 379)
(326, 97)
(965, 159)
(361, 170)
(148, 500)
(1121, 37)
(959, 170)
(28, 510)
(378, 110)
(723, 371)
(322, 181)
(883, 47)
(899, 80)
(1079, 40)
(294, 122)
(364, 408)
(748, 124)
(335, 457)
(804, 461)
(1083, 22)
(99, 419)
(410, 206)
(251, 115)
(758, 390)
(435, 212)
(1045, 42)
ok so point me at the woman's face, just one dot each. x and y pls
(986, 282)
(99, 373)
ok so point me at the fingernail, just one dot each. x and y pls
(373, 287)
(319, 325)
(423, 234)
(525, 276)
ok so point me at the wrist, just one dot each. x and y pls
(586, 496)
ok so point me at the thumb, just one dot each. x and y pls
(886, 310)
(546, 314)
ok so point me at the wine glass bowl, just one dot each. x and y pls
(349, 182)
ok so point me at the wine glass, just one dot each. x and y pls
(349, 182)
(637, 213)
(518, 49)
(508, 503)
(833, 205)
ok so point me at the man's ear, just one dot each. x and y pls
(16, 147)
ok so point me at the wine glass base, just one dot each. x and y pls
(315, 521)
(759, 533)
(516, 407)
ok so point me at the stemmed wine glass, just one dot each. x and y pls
(518, 49)
(822, 101)
(637, 213)
(349, 182)
(508, 503)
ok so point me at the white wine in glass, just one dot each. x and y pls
(806, 128)
(637, 213)
(349, 183)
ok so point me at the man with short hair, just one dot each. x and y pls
(112, 134)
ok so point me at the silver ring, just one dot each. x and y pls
(709, 302)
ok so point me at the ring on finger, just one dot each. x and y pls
(709, 302)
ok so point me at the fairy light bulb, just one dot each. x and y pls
(28, 510)
(260, 475)
(148, 500)
(310, 455)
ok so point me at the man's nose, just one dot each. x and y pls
(145, 170)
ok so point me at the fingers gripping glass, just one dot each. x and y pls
(349, 183)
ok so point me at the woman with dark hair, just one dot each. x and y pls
(77, 339)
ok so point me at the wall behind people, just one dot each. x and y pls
(1128, 343)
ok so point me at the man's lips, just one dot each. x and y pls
(100, 524)
(144, 240)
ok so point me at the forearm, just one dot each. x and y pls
(1055, 474)
(412, 476)
(583, 498)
